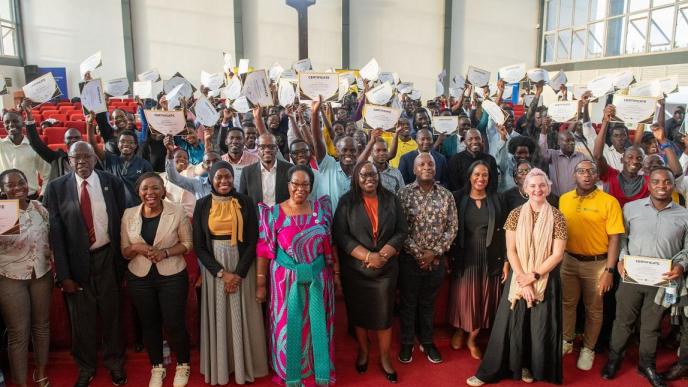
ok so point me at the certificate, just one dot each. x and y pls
(415, 94)
(633, 110)
(445, 124)
(174, 97)
(233, 90)
(312, 85)
(668, 85)
(243, 66)
(289, 75)
(646, 89)
(380, 94)
(601, 85)
(257, 89)
(380, 117)
(206, 112)
(116, 87)
(302, 65)
(348, 76)
(150, 75)
(286, 93)
(579, 90)
(458, 81)
(167, 122)
(645, 270)
(477, 77)
(390, 77)
(538, 75)
(456, 92)
(494, 111)
(147, 89)
(212, 81)
(9, 217)
(557, 80)
(405, 87)
(623, 79)
(275, 71)
(91, 63)
(370, 71)
(241, 105)
(343, 88)
(177, 79)
(513, 73)
(439, 88)
(42, 89)
(92, 97)
(229, 63)
(563, 111)
(3, 86)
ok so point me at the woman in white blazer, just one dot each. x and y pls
(155, 236)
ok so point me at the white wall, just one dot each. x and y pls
(271, 33)
(17, 75)
(493, 33)
(182, 36)
(404, 37)
(62, 33)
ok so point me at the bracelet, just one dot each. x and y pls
(367, 258)
(337, 272)
(260, 275)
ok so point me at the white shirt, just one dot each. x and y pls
(25, 159)
(683, 160)
(268, 181)
(98, 209)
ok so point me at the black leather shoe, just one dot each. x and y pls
(362, 368)
(609, 370)
(390, 376)
(432, 353)
(119, 378)
(85, 378)
(652, 376)
(677, 371)
(406, 353)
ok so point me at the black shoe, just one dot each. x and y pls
(652, 376)
(677, 371)
(119, 378)
(362, 368)
(390, 376)
(406, 353)
(432, 353)
(138, 347)
(609, 370)
(85, 378)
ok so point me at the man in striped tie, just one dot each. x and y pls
(86, 208)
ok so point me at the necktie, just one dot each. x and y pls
(87, 213)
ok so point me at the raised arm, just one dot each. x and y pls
(90, 132)
(35, 141)
(374, 135)
(173, 176)
(598, 149)
(258, 120)
(316, 129)
(500, 91)
(664, 144)
(395, 142)
(533, 105)
(106, 130)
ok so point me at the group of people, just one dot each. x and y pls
(284, 207)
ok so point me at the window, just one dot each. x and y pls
(8, 29)
(592, 29)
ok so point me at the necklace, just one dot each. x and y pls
(525, 196)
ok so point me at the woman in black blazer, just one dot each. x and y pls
(478, 254)
(370, 228)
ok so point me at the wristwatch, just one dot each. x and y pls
(536, 275)
(220, 273)
(609, 270)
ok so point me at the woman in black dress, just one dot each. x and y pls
(516, 196)
(526, 338)
(479, 261)
(370, 228)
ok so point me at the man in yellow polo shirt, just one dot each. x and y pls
(405, 143)
(595, 222)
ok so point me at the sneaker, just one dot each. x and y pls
(432, 353)
(158, 374)
(567, 347)
(526, 376)
(585, 359)
(181, 375)
(475, 382)
(406, 353)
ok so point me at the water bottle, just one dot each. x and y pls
(670, 293)
(166, 354)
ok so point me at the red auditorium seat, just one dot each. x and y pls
(3, 133)
(81, 125)
(58, 146)
(49, 112)
(76, 117)
(55, 134)
(64, 103)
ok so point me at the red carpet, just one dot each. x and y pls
(457, 366)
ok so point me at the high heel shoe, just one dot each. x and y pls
(42, 382)
(390, 376)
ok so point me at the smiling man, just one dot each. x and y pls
(459, 163)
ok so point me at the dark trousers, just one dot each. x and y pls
(418, 290)
(683, 359)
(100, 295)
(633, 301)
(161, 302)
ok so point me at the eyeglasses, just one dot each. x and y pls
(365, 175)
(523, 171)
(301, 186)
(267, 146)
(589, 171)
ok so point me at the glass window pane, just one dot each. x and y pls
(580, 13)
(8, 39)
(638, 5)
(564, 45)
(636, 36)
(552, 8)
(657, 3)
(6, 10)
(660, 29)
(548, 55)
(615, 33)
(598, 9)
(578, 45)
(616, 7)
(681, 39)
(565, 13)
(595, 40)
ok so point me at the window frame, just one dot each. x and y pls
(16, 24)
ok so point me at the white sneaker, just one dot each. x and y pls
(158, 374)
(526, 376)
(474, 382)
(566, 348)
(585, 359)
(181, 375)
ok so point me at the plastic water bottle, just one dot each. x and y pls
(670, 293)
(166, 354)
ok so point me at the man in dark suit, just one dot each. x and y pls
(425, 142)
(267, 180)
(86, 208)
